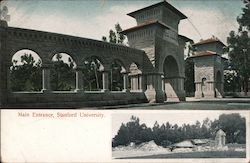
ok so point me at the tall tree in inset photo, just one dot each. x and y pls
(239, 47)
(233, 125)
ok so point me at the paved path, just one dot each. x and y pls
(191, 104)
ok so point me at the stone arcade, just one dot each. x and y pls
(154, 62)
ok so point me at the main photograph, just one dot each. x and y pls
(160, 52)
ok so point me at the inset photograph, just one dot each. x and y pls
(179, 135)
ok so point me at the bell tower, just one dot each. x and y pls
(156, 33)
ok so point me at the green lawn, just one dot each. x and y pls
(207, 154)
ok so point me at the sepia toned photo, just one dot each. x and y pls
(175, 135)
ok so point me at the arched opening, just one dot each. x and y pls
(171, 79)
(218, 89)
(26, 72)
(62, 73)
(92, 76)
(203, 86)
(116, 76)
(135, 77)
(170, 67)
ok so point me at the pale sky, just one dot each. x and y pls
(172, 116)
(94, 18)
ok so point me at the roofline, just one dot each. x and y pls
(144, 25)
(168, 5)
(186, 39)
(211, 54)
(201, 43)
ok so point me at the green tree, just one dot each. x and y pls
(206, 128)
(189, 74)
(92, 75)
(244, 19)
(166, 134)
(27, 75)
(239, 47)
(156, 133)
(233, 125)
(122, 137)
(132, 132)
(145, 134)
(189, 70)
(62, 74)
(116, 79)
(231, 81)
(115, 36)
(134, 129)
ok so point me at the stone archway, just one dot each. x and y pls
(117, 71)
(25, 73)
(92, 75)
(62, 74)
(172, 83)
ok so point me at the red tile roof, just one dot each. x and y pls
(166, 4)
(203, 53)
(148, 23)
(186, 39)
(210, 40)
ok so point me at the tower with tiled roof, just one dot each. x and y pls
(208, 67)
(156, 33)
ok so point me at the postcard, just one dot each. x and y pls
(124, 81)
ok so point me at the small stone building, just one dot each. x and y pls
(220, 138)
(208, 68)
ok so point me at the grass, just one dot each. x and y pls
(206, 154)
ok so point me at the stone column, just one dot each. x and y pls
(140, 82)
(131, 83)
(125, 82)
(154, 92)
(143, 82)
(134, 82)
(46, 78)
(179, 88)
(105, 81)
(198, 90)
(163, 83)
(79, 80)
(210, 91)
